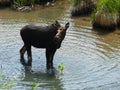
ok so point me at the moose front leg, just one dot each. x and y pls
(49, 58)
(29, 54)
(22, 52)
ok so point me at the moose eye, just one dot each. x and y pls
(62, 29)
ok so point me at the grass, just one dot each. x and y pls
(107, 6)
(20, 3)
(110, 6)
(76, 2)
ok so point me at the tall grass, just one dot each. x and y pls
(19, 3)
(110, 6)
(107, 14)
(76, 2)
(107, 6)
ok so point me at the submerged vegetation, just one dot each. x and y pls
(5, 82)
(34, 86)
(61, 67)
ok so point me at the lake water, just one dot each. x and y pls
(91, 58)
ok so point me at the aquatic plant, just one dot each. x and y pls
(35, 85)
(5, 82)
(61, 67)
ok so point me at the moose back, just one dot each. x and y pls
(49, 37)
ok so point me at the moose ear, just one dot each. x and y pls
(56, 24)
(67, 25)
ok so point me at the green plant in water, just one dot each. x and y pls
(35, 85)
(5, 82)
(57, 77)
(61, 68)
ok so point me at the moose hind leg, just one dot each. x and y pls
(29, 54)
(22, 52)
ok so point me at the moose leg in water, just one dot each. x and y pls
(29, 54)
(22, 51)
(49, 57)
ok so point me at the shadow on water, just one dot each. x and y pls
(45, 80)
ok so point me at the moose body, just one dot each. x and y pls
(48, 37)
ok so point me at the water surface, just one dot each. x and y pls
(91, 58)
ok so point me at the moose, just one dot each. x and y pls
(49, 37)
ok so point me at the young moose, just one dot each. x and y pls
(49, 37)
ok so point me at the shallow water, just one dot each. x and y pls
(91, 58)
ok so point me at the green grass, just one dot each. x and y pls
(76, 2)
(107, 6)
(19, 3)
(110, 6)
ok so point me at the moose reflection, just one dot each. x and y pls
(49, 37)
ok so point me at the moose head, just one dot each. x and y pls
(60, 35)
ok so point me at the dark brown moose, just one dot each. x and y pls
(49, 37)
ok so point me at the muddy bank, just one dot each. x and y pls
(83, 7)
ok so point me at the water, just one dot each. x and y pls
(91, 58)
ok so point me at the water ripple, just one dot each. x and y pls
(92, 61)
